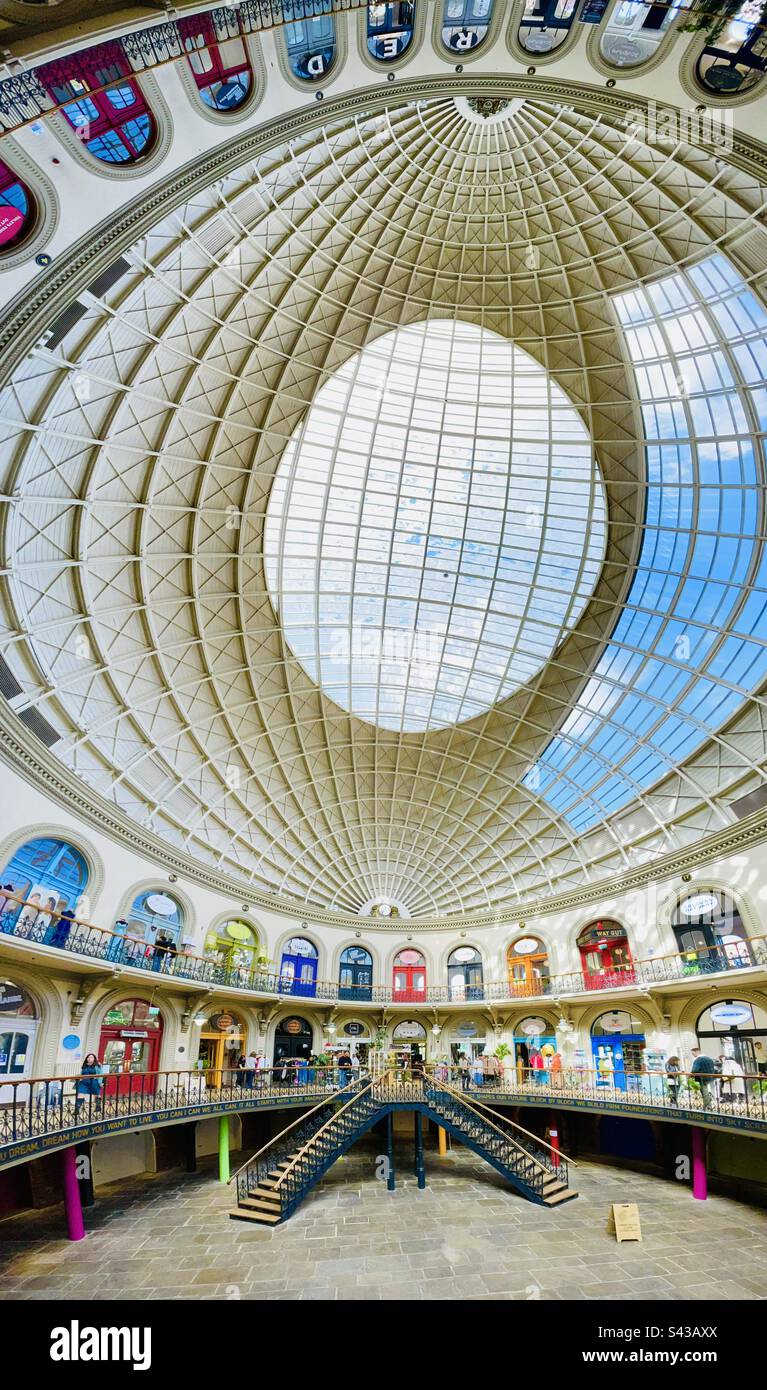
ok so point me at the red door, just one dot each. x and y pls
(130, 1047)
(409, 984)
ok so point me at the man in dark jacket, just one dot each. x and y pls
(704, 1069)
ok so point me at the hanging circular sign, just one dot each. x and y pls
(222, 1022)
(533, 1026)
(238, 931)
(699, 905)
(467, 1030)
(354, 1030)
(731, 1015)
(525, 946)
(464, 953)
(409, 1030)
(161, 904)
(293, 1026)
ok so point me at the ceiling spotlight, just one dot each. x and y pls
(390, 76)
(686, 878)
(531, 72)
(319, 96)
(459, 67)
(610, 82)
(172, 878)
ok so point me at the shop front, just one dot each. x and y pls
(618, 1050)
(129, 1046)
(408, 1043)
(467, 1039)
(738, 1030)
(235, 948)
(293, 1039)
(710, 934)
(409, 982)
(464, 974)
(18, 1027)
(605, 956)
(298, 967)
(527, 963)
(357, 1038)
(222, 1041)
(535, 1046)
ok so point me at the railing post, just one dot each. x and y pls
(420, 1170)
(223, 1148)
(72, 1206)
(699, 1176)
(391, 1181)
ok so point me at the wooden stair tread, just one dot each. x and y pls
(262, 1217)
(553, 1199)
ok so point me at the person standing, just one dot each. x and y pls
(344, 1068)
(733, 1079)
(88, 1085)
(704, 1070)
(673, 1078)
(463, 1071)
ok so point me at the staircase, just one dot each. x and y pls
(272, 1184)
(532, 1169)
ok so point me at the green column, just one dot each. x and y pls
(223, 1148)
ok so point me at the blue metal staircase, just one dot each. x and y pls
(275, 1181)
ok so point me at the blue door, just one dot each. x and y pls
(355, 980)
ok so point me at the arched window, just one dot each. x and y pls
(234, 946)
(48, 877)
(545, 24)
(465, 23)
(528, 966)
(298, 967)
(737, 58)
(16, 209)
(635, 30)
(390, 29)
(102, 102)
(154, 918)
(311, 46)
(129, 1046)
(734, 1028)
(409, 983)
(218, 58)
(18, 1026)
(710, 933)
(355, 980)
(464, 973)
(605, 955)
(617, 1045)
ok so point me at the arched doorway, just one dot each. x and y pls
(355, 980)
(739, 1030)
(617, 1045)
(464, 974)
(222, 1040)
(528, 965)
(18, 1029)
(49, 876)
(298, 967)
(605, 955)
(409, 1041)
(129, 1045)
(292, 1038)
(535, 1044)
(409, 982)
(710, 933)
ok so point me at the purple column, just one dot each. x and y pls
(699, 1178)
(72, 1205)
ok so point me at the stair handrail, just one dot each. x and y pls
(301, 1120)
(357, 1096)
(478, 1105)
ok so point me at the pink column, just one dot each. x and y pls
(72, 1206)
(699, 1178)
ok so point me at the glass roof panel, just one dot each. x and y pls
(703, 565)
(436, 525)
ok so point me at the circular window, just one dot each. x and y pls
(436, 525)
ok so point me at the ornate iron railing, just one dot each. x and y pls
(47, 1106)
(26, 921)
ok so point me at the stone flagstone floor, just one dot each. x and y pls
(465, 1237)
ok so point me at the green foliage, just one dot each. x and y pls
(711, 17)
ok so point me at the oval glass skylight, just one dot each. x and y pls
(436, 525)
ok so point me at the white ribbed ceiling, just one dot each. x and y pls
(141, 454)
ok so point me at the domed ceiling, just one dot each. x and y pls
(168, 618)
